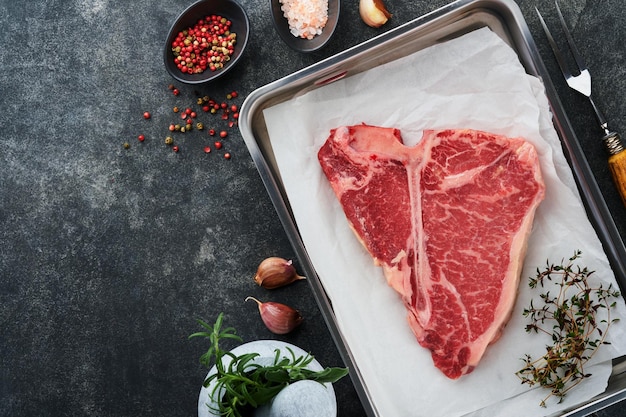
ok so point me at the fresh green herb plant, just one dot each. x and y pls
(570, 318)
(242, 384)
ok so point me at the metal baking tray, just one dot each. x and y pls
(460, 17)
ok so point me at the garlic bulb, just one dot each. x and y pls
(276, 272)
(373, 12)
(278, 318)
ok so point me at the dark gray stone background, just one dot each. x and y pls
(107, 255)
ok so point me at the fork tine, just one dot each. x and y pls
(555, 48)
(572, 45)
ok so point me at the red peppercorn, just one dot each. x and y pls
(227, 155)
(172, 127)
(141, 138)
(233, 94)
(175, 148)
(146, 115)
(212, 132)
(175, 91)
(205, 108)
(233, 108)
(223, 134)
(218, 145)
(207, 149)
(207, 44)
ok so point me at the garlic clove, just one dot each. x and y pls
(278, 318)
(275, 272)
(373, 12)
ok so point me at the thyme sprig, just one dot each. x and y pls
(243, 384)
(570, 318)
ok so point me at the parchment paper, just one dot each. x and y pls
(475, 81)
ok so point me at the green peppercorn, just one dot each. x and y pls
(199, 126)
(126, 145)
(169, 140)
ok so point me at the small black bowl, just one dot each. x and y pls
(229, 9)
(303, 44)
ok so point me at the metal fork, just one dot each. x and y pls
(582, 83)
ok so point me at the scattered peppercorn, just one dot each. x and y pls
(227, 109)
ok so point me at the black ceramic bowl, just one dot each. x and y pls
(302, 44)
(229, 9)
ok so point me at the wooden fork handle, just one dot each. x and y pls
(617, 162)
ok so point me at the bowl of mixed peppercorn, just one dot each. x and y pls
(206, 40)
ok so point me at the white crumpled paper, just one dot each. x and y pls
(475, 81)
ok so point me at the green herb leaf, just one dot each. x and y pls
(574, 329)
(243, 383)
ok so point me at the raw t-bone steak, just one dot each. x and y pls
(448, 220)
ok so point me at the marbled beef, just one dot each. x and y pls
(448, 220)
